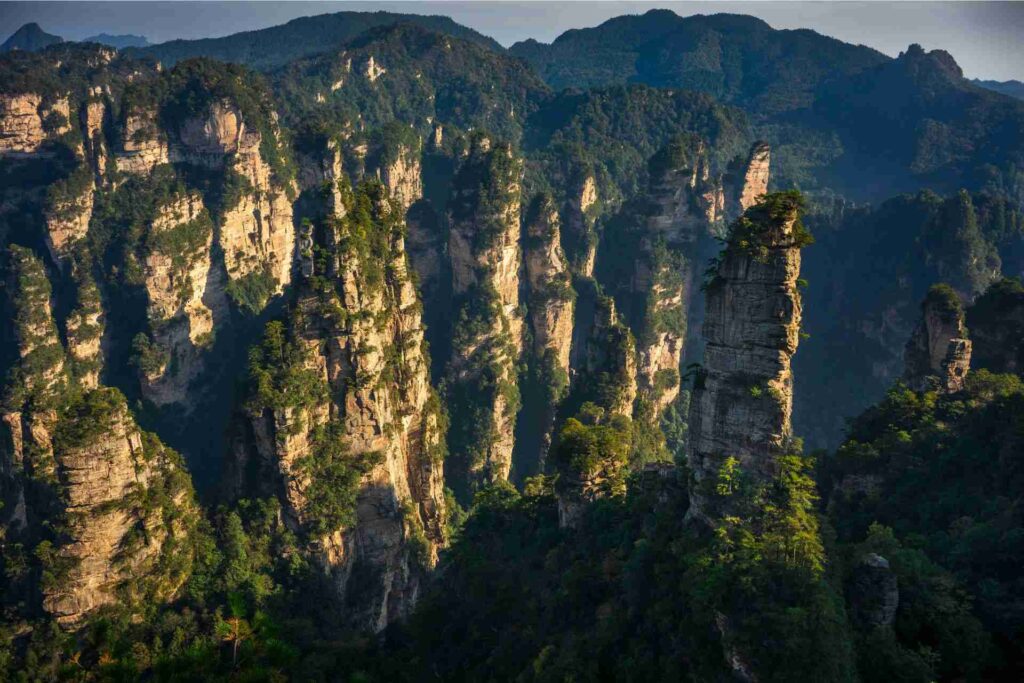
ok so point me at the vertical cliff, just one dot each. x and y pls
(938, 354)
(580, 212)
(484, 247)
(184, 298)
(341, 415)
(106, 510)
(742, 403)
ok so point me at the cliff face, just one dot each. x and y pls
(106, 509)
(580, 213)
(938, 354)
(185, 297)
(128, 512)
(487, 339)
(743, 397)
(343, 416)
(28, 120)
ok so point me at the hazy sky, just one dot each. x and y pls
(987, 39)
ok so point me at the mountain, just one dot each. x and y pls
(120, 41)
(303, 37)
(1011, 88)
(30, 38)
(736, 58)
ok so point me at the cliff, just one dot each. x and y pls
(551, 311)
(341, 415)
(938, 354)
(742, 402)
(185, 297)
(106, 509)
(996, 323)
(484, 248)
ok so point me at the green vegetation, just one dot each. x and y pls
(278, 375)
(334, 476)
(252, 291)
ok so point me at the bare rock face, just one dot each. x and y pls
(873, 592)
(85, 333)
(185, 296)
(257, 233)
(682, 212)
(108, 469)
(938, 354)
(67, 219)
(105, 508)
(748, 180)
(365, 404)
(27, 121)
(403, 177)
(743, 397)
(143, 146)
(580, 214)
(551, 295)
(485, 261)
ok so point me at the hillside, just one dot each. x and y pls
(303, 37)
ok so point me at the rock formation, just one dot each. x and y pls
(27, 120)
(580, 214)
(487, 340)
(184, 299)
(747, 180)
(551, 309)
(938, 354)
(106, 508)
(743, 396)
(343, 394)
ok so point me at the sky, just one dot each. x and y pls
(985, 38)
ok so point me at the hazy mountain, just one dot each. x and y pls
(119, 41)
(1011, 88)
(270, 47)
(30, 38)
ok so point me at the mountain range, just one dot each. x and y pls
(362, 348)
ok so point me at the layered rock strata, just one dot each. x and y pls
(743, 396)
(484, 247)
(343, 393)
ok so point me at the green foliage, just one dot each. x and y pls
(88, 417)
(760, 228)
(252, 291)
(587, 449)
(938, 471)
(278, 375)
(334, 476)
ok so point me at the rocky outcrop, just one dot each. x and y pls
(605, 371)
(550, 283)
(142, 145)
(256, 232)
(184, 295)
(85, 332)
(873, 592)
(401, 173)
(68, 213)
(580, 212)
(127, 513)
(681, 213)
(747, 180)
(350, 401)
(28, 120)
(743, 396)
(938, 354)
(485, 261)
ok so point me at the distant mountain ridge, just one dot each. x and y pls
(30, 38)
(1011, 88)
(120, 41)
(304, 37)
